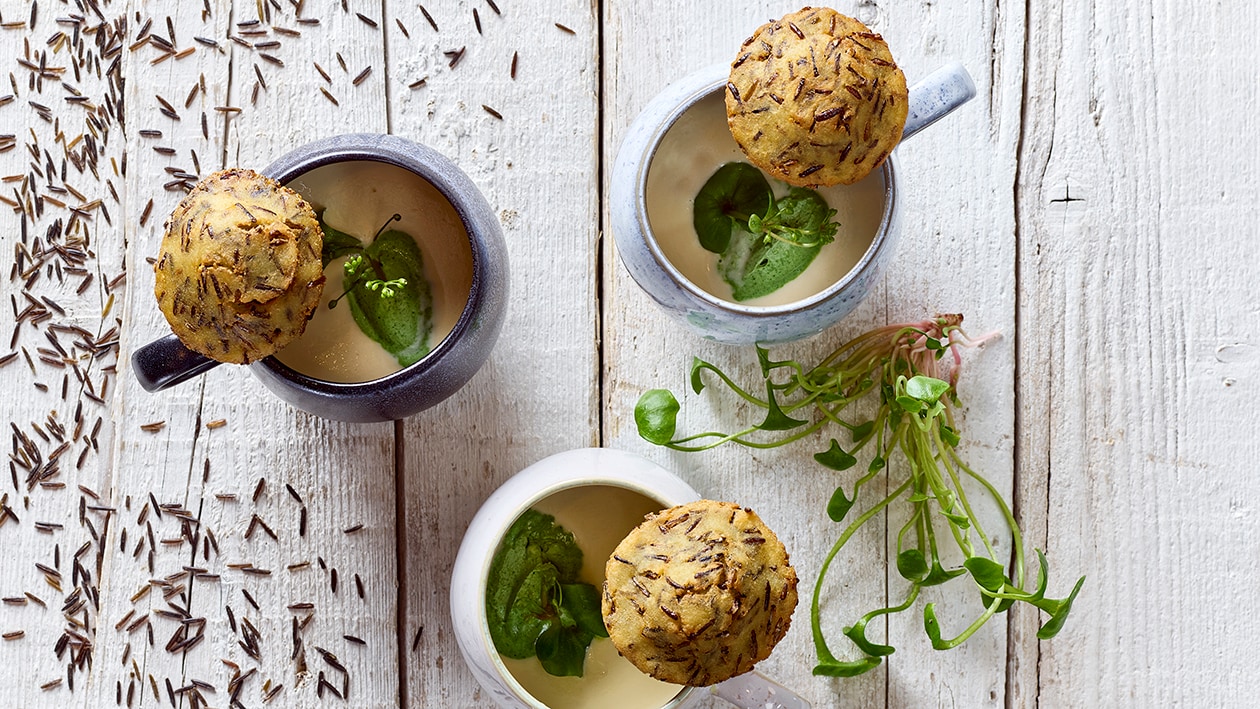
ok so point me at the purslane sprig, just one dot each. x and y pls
(905, 368)
(389, 297)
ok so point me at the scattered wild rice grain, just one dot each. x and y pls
(429, 17)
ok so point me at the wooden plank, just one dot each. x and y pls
(956, 255)
(63, 155)
(537, 395)
(1138, 358)
(232, 478)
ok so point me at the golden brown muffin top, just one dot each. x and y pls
(815, 98)
(239, 272)
(698, 593)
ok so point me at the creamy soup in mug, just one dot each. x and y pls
(693, 149)
(358, 198)
(599, 516)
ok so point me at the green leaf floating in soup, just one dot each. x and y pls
(402, 321)
(734, 192)
(337, 243)
(762, 243)
(534, 604)
(388, 294)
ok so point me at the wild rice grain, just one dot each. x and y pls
(429, 17)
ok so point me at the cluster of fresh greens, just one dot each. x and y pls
(902, 366)
(386, 289)
(534, 603)
(762, 242)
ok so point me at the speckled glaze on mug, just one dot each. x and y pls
(725, 321)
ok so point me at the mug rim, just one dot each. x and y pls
(390, 150)
(713, 79)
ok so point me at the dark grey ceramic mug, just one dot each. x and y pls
(166, 362)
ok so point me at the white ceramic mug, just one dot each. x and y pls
(563, 471)
(714, 318)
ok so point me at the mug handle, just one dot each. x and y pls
(753, 690)
(165, 362)
(937, 95)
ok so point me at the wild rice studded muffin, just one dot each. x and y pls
(816, 99)
(239, 272)
(698, 593)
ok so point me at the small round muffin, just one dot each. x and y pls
(239, 272)
(698, 593)
(816, 99)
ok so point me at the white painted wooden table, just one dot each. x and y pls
(1096, 204)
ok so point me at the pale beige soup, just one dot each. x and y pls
(599, 517)
(693, 149)
(357, 198)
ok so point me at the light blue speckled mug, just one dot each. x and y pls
(727, 321)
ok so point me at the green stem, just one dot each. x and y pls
(962, 493)
(815, 619)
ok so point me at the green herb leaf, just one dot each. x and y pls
(846, 669)
(337, 243)
(912, 565)
(835, 458)
(1059, 615)
(988, 573)
(938, 574)
(776, 420)
(801, 218)
(728, 197)
(839, 505)
(401, 323)
(926, 389)
(656, 416)
(909, 404)
(583, 604)
(932, 627)
(534, 604)
(561, 652)
(698, 365)
(862, 430)
(950, 436)
(857, 633)
(756, 267)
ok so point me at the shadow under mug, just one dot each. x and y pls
(165, 362)
(731, 322)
